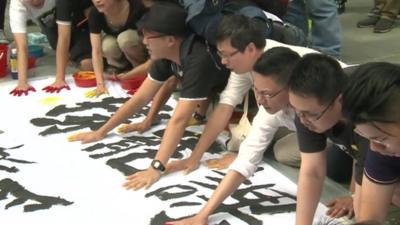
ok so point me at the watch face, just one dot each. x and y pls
(158, 165)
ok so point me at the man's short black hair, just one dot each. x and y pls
(277, 63)
(242, 31)
(372, 94)
(317, 75)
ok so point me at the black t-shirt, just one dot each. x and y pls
(341, 134)
(72, 12)
(201, 72)
(98, 23)
(382, 169)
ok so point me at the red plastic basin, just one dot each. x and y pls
(134, 83)
(85, 79)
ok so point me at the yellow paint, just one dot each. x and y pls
(51, 101)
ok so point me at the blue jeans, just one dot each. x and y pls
(326, 30)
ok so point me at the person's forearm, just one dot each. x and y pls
(215, 125)
(308, 195)
(141, 69)
(62, 58)
(175, 129)
(125, 111)
(98, 66)
(22, 63)
(161, 98)
(228, 185)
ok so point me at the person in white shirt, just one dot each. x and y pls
(272, 72)
(240, 45)
(64, 24)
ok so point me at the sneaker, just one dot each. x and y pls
(368, 22)
(383, 26)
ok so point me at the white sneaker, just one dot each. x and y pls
(3, 38)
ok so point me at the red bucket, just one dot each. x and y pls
(3, 60)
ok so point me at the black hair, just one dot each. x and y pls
(317, 75)
(372, 94)
(278, 63)
(242, 31)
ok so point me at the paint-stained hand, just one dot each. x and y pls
(139, 127)
(341, 206)
(22, 89)
(142, 179)
(86, 137)
(96, 92)
(186, 165)
(221, 163)
(56, 87)
(195, 220)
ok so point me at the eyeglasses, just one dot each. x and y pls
(154, 36)
(263, 94)
(228, 55)
(314, 116)
(377, 140)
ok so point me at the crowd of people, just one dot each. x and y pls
(298, 84)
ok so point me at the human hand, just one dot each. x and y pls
(56, 87)
(96, 92)
(195, 220)
(142, 179)
(86, 137)
(221, 163)
(22, 89)
(187, 165)
(341, 206)
(111, 77)
(139, 127)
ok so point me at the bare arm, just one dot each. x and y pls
(172, 136)
(22, 59)
(136, 71)
(97, 59)
(158, 102)
(228, 185)
(135, 103)
(62, 52)
(215, 125)
(311, 178)
(375, 200)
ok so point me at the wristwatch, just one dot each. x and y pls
(156, 164)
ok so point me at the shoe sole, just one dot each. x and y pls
(365, 26)
(382, 31)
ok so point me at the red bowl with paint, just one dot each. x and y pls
(85, 79)
(31, 62)
(134, 83)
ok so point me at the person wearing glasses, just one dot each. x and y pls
(200, 73)
(240, 43)
(371, 101)
(315, 93)
(271, 71)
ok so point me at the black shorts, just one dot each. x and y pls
(80, 47)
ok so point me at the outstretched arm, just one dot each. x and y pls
(228, 185)
(215, 125)
(311, 178)
(158, 102)
(134, 104)
(172, 136)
